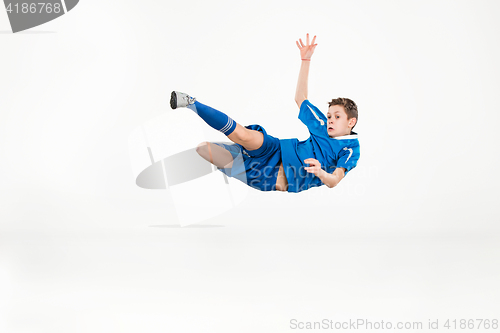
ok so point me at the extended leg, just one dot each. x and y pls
(249, 139)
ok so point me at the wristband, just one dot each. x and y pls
(307, 59)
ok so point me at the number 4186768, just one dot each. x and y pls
(472, 324)
(33, 8)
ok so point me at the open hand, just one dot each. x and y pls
(314, 166)
(307, 50)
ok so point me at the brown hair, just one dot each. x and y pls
(351, 109)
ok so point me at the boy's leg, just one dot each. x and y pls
(249, 139)
(215, 154)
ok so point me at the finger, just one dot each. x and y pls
(298, 44)
(313, 40)
(307, 38)
(301, 43)
(311, 171)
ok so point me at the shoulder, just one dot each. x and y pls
(346, 142)
(307, 105)
(311, 116)
(351, 148)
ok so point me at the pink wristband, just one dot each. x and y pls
(307, 59)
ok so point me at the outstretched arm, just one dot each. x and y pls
(306, 52)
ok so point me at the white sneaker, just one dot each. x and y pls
(178, 99)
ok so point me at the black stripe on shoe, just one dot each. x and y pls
(173, 100)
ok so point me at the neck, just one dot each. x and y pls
(349, 132)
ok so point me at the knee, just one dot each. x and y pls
(201, 145)
(202, 149)
(240, 134)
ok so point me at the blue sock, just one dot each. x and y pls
(214, 118)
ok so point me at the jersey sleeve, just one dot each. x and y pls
(348, 158)
(313, 118)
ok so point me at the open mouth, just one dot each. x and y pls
(330, 128)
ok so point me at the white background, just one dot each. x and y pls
(411, 234)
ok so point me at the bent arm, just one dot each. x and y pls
(332, 179)
(301, 92)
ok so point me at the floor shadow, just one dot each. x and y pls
(26, 32)
(188, 226)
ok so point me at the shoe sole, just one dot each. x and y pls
(173, 100)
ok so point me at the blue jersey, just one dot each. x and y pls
(332, 153)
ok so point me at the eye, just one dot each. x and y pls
(338, 117)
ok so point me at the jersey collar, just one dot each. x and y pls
(353, 135)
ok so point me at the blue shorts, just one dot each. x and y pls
(257, 168)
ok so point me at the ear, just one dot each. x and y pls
(352, 122)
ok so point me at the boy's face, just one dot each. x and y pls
(338, 124)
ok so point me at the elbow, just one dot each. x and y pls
(332, 184)
(299, 100)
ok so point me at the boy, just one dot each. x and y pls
(268, 163)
